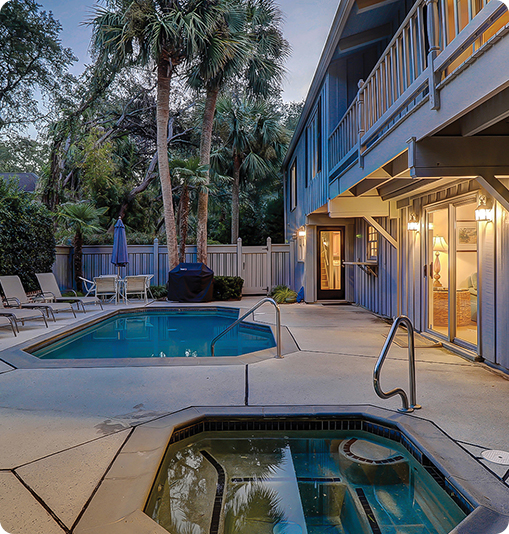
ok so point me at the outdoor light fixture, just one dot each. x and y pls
(483, 210)
(439, 245)
(413, 223)
(301, 244)
(302, 233)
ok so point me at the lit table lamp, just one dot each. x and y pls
(439, 245)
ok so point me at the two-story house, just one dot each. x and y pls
(396, 180)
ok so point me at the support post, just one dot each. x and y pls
(360, 121)
(239, 257)
(269, 264)
(433, 28)
(155, 262)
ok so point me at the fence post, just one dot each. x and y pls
(269, 264)
(292, 263)
(239, 257)
(155, 261)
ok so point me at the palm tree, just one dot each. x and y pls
(192, 176)
(255, 142)
(160, 34)
(82, 218)
(249, 46)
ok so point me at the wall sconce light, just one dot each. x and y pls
(301, 244)
(483, 212)
(413, 223)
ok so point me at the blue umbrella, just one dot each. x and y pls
(119, 256)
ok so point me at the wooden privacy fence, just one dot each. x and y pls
(261, 267)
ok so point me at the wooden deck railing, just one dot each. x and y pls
(405, 75)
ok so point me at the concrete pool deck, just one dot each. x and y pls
(61, 429)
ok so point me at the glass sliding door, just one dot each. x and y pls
(466, 272)
(452, 267)
(438, 265)
(331, 272)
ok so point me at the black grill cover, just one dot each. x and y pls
(190, 282)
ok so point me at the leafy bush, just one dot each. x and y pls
(283, 294)
(27, 238)
(228, 287)
(159, 292)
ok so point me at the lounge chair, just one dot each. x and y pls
(10, 321)
(16, 296)
(49, 288)
(20, 316)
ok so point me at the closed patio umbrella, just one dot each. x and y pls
(119, 256)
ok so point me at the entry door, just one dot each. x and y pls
(331, 271)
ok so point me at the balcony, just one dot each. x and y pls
(429, 49)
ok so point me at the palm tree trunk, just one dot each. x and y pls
(203, 196)
(235, 197)
(78, 260)
(164, 71)
(183, 221)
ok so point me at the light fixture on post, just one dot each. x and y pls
(483, 212)
(413, 223)
(301, 244)
(439, 245)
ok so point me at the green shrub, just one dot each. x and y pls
(228, 287)
(283, 294)
(27, 240)
(159, 292)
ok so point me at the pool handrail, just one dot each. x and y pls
(252, 310)
(407, 407)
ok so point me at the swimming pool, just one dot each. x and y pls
(296, 482)
(152, 334)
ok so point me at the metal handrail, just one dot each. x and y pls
(253, 309)
(407, 407)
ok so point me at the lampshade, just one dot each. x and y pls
(483, 210)
(439, 244)
(413, 223)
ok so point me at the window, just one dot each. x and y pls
(314, 145)
(293, 186)
(372, 251)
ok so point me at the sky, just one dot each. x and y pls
(306, 27)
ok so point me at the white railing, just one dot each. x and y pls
(403, 61)
(405, 75)
(344, 138)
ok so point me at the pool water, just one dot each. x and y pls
(170, 333)
(314, 483)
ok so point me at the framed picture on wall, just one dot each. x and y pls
(466, 237)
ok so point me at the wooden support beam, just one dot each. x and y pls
(367, 185)
(366, 5)
(495, 188)
(365, 38)
(410, 188)
(382, 231)
(442, 156)
(487, 114)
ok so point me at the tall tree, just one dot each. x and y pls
(255, 142)
(160, 34)
(32, 58)
(81, 218)
(248, 47)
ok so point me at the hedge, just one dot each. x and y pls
(27, 240)
(228, 287)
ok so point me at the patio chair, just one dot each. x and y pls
(49, 287)
(136, 285)
(16, 296)
(20, 316)
(106, 286)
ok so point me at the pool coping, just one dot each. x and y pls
(118, 503)
(19, 357)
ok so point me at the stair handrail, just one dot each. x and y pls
(407, 407)
(252, 310)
